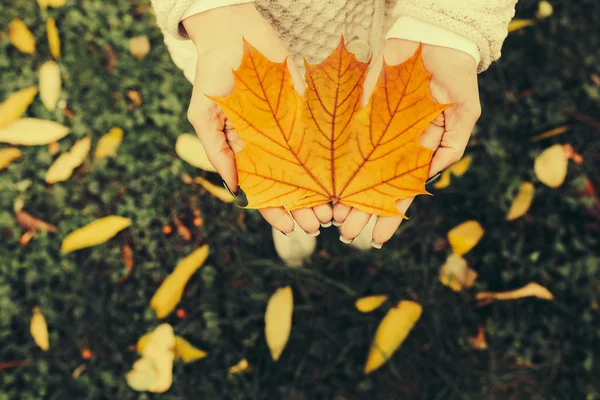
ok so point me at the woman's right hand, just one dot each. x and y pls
(217, 35)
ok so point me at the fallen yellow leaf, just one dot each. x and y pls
(50, 84)
(39, 329)
(456, 274)
(465, 236)
(217, 191)
(56, 3)
(139, 46)
(391, 332)
(550, 166)
(16, 104)
(43, 4)
(544, 10)
(94, 233)
(239, 367)
(522, 201)
(278, 320)
(7, 156)
(53, 38)
(517, 24)
(456, 169)
(186, 351)
(532, 289)
(21, 37)
(63, 167)
(109, 144)
(33, 132)
(190, 150)
(153, 372)
(370, 303)
(169, 293)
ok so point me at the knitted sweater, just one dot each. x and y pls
(312, 28)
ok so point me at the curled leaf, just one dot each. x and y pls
(186, 351)
(53, 38)
(109, 144)
(7, 156)
(518, 24)
(465, 236)
(456, 274)
(50, 84)
(522, 201)
(30, 223)
(39, 329)
(294, 249)
(33, 132)
(16, 104)
(532, 289)
(370, 303)
(551, 166)
(63, 167)
(169, 293)
(391, 332)
(239, 367)
(94, 233)
(217, 191)
(278, 320)
(139, 46)
(190, 150)
(21, 37)
(456, 169)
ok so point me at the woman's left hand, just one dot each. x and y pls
(454, 81)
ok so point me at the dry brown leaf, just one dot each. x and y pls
(465, 236)
(32, 132)
(7, 156)
(139, 46)
(65, 164)
(522, 201)
(30, 223)
(551, 133)
(550, 166)
(532, 289)
(136, 99)
(128, 262)
(21, 37)
(111, 58)
(478, 341)
(50, 84)
(16, 104)
(456, 274)
(53, 38)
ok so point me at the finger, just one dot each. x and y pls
(324, 214)
(353, 225)
(279, 219)
(386, 226)
(340, 213)
(307, 220)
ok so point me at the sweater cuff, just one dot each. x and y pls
(414, 29)
(199, 6)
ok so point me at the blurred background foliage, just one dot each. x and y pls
(547, 77)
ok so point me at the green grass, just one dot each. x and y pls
(537, 349)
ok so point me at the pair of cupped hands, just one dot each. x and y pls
(217, 34)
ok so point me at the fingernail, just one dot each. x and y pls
(376, 245)
(240, 199)
(335, 223)
(316, 233)
(326, 225)
(345, 240)
(289, 234)
(228, 189)
(433, 178)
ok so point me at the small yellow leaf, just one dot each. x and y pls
(370, 303)
(139, 46)
(217, 191)
(239, 367)
(153, 372)
(109, 144)
(53, 38)
(50, 84)
(186, 351)
(94, 233)
(43, 4)
(16, 104)
(544, 10)
(391, 332)
(522, 201)
(551, 166)
(39, 329)
(278, 320)
(33, 132)
(465, 236)
(456, 274)
(517, 24)
(169, 293)
(21, 37)
(457, 169)
(7, 156)
(56, 3)
(63, 167)
(532, 289)
(190, 150)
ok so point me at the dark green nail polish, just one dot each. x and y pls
(228, 189)
(240, 198)
(433, 178)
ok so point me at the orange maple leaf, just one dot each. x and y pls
(306, 151)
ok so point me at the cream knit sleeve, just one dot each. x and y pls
(168, 15)
(483, 21)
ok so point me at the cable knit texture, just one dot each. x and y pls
(312, 28)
